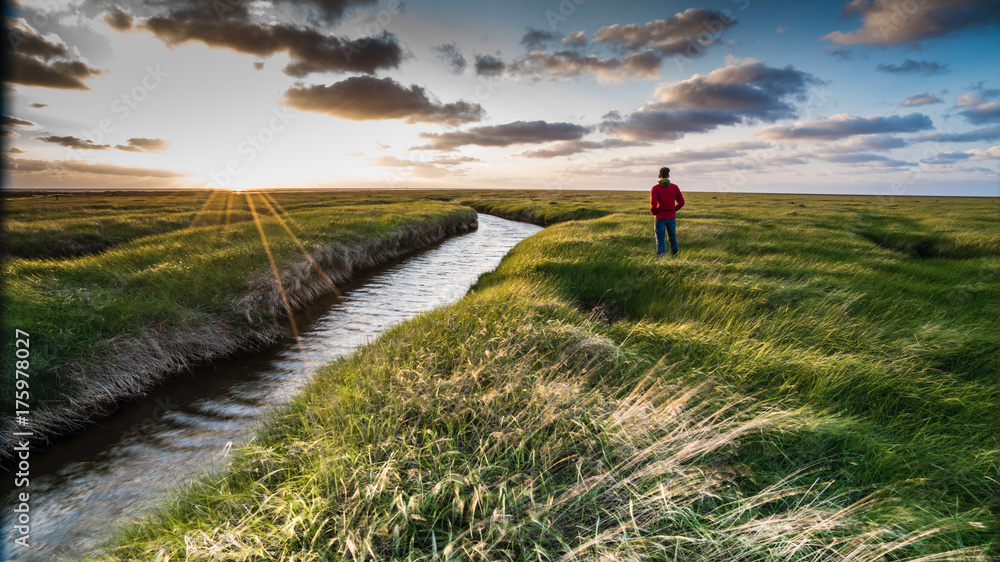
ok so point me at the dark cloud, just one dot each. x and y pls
(921, 99)
(79, 173)
(32, 64)
(567, 148)
(751, 88)
(575, 39)
(982, 134)
(9, 121)
(684, 34)
(15, 150)
(571, 64)
(537, 39)
(118, 19)
(144, 145)
(640, 49)
(866, 158)
(258, 65)
(741, 92)
(507, 134)
(25, 41)
(450, 55)
(76, 143)
(310, 50)
(910, 66)
(891, 22)
(363, 98)
(63, 75)
(844, 125)
(671, 124)
(992, 153)
(24, 165)
(39, 105)
(72, 24)
(978, 110)
(983, 113)
(869, 142)
(488, 65)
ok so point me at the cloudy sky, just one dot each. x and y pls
(868, 96)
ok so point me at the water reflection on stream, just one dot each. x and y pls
(109, 474)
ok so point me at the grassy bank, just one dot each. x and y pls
(812, 378)
(67, 224)
(137, 307)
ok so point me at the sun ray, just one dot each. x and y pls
(229, 211)
(277, 278)
(274, 201)
(197, 216)
(305, 252)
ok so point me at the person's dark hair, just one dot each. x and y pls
(664, 173)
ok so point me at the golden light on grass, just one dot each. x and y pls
(291, 219)
(229, 211)
(198, 215)
(264, 197)
(277, 277)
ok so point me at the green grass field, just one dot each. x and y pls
(812, 378)
(117, 290)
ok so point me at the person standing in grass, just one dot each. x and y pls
(665, 199)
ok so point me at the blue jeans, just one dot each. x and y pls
(670, 226)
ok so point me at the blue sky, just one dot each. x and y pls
(872, 96)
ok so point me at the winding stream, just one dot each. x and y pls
(116, 470)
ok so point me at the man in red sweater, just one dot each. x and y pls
(664, 200)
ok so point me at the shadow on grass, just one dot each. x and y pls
(909, 237)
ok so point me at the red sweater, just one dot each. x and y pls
(663, 201)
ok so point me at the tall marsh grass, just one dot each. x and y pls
(492, 430)
(812, 378)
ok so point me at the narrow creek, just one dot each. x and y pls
(84, 486)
